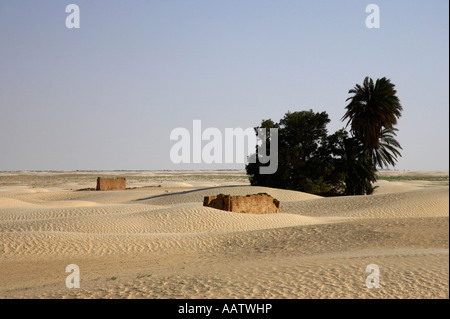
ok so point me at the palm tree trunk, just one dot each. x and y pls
(362, 189)
(362, 184)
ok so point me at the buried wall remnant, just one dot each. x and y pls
(260, 203)
(108, 184)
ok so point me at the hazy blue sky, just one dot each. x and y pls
(107, 95)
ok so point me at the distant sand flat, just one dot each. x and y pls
(160, 241)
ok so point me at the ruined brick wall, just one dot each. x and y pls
(261, 203)
(107, 184)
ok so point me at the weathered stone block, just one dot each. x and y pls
(260, 203)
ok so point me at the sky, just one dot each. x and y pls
(107, 95)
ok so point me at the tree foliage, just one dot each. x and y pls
(305, 159)
(372, 108)
(312, 161)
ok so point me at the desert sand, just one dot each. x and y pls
(156, 240)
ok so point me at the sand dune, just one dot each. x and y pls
(198, 194)
(161, 242)
(431, 202)
(385, 187)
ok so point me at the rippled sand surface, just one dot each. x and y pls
(160, 242)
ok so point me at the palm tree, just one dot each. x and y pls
(372, 108)
(360, 172)
(372, 114)
(387, 151)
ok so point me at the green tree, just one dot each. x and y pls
(357, 171)
(304, 155)
(311, 161)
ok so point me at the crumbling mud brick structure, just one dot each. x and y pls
(108, 184)
(260, 203)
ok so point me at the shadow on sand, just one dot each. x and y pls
(188, 192)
